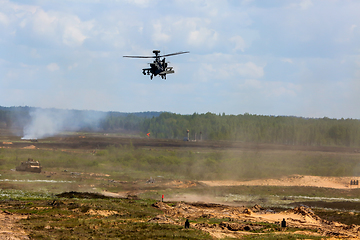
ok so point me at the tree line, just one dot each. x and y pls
(256, 128)
(209, 126)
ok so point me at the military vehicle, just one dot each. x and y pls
(29, 166)
(159, 67)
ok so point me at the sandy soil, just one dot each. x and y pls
(9, 229)
(242, 220)
(296, 180)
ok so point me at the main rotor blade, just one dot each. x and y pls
(140, 56)
(171, 54)
(159, 56)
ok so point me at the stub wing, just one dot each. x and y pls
(168, 70)
(146, 71)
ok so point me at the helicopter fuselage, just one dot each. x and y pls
(159, 66)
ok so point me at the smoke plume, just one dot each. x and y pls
(49, 122)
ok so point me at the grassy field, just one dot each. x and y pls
(88, 164)
(185, 162)
(71, 169)
(89, 217)
(93, 218)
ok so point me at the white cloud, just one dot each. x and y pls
(141, 3)
(12, 75)
(352, 28)
(4, 19)
(227, 70)
(246, 1)
(253, 83)
(239, 43)
(21, 8)
(203, 36)
(72, 66)
(206, 8)
(287, 60)
(44, 23)
(159, 36)
(270, 89)
(76, 31)
(34, 53)
(205, 72)
(357, 72)
(12, 13)
(279, 91)
(73, 36)
(248, 69)
(52, 67)
(23, 23)
(48, 26)
(305, 4)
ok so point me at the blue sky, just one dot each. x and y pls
(299, 58)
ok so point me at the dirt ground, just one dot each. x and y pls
(242, 220)
(9, 228)
(238, 221)
(297, 180)
(301, 217)
(194, 207)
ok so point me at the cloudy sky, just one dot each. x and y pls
(279, 57)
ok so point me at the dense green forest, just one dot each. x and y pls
(209, 126)
(256, 128)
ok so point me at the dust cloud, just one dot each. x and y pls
(49, 122)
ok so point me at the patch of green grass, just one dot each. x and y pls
(264, 191)
(88, 219)
(337, 216)
(23, 195)
(208, 164)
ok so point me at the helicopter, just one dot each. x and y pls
(159, 66)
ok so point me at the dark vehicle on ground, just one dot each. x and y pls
(29, 166)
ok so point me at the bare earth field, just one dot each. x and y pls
(197, 200)
(9, 227)
(293, 181)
